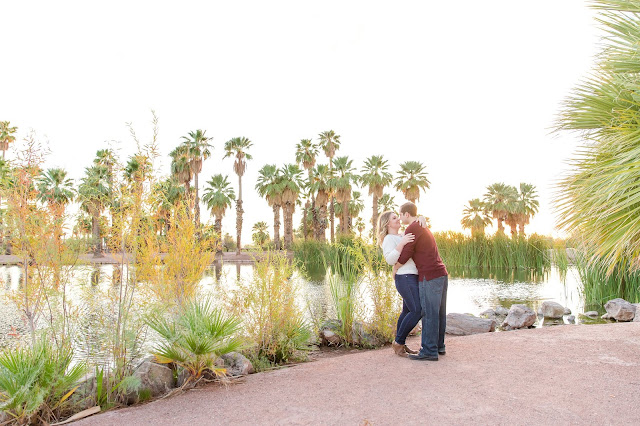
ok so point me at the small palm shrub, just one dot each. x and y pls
(36, 382)
(270, 309)
(194, 337)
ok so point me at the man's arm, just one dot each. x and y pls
(410, 248)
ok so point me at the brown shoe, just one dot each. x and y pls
(399, 349)
(409, 350)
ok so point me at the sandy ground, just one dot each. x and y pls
(556, 375)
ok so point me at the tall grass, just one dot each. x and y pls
(494, 252)
(599, 286)
(268, 305)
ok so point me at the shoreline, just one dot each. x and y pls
(116, 258)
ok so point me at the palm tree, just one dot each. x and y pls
(528, 205)
(198, 148)
(411, 179)
(238, 147)
(165, 196)
(218, 196)
(94, 195)
(598, 199)
(321, 186)
(107, 158)
(269, 187)
(360, 226)
(356, 205)
(6, 136)
(330, 143)
(137, 170)
(342, 184)
(55, 190)
(306, 153)
(181, 166)
(387, 203)
(260, 235)
(291, 188)
(376, 177)
(499, 200)
(475, 217)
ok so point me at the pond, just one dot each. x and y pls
(470, 291)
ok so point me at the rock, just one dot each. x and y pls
(636, 318)
(620, 310)
(330, 338)
(591, 314)
(502, 311)
(520, 316)
(361, 337)
(183, 376)
(548, 322)
(237, 364)
(571, 319)
(155, 380)
(463, 325)
(489, 313)
(552, 309)
(605, 316)
(84, 396)
(567, 311)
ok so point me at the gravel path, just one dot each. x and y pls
(555, 375)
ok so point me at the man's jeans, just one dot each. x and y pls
(407, 286)
(433, 299)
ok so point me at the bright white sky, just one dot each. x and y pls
(469, 88)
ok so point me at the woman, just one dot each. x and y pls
(406, 278)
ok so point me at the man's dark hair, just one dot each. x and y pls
(410, 208)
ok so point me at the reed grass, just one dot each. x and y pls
(599, 286)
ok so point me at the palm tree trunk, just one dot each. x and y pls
(322, 223)
(287, 225)
(218, 228)
(304, 219)
(374, 219)
(197, 213)
(239, 212)
(331, 217)
(345, 217)
(500, 226)
(276, 226)
(97, 241)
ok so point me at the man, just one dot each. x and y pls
(433, 281)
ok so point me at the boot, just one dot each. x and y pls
(399, 349)
(409, 350)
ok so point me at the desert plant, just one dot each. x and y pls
(37, 381)
(194, 337)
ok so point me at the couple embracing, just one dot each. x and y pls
(421, 279)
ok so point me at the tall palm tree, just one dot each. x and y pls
(291, 188)
(238, 147)
(198, 148)
(330, 143)
(107, 159)
(528, 205)
(500, 200)
(6, 136)
(355, 207)
(165, 196)
(376, 177)
(218, 197)
(411, 179)
(181, 166)
(94, 195)
(269, 187)
(260, 235)
(306, 153)
(475, 217)
(55, 190)
(342, 183)
(321, 187)
(137, 170)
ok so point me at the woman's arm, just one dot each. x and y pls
(392, 252)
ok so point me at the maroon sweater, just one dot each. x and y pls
(424, 251)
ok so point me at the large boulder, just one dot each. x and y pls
(463, 324)
(237, 364)
(520, 316)
(552, 309)
(155, 380)
(620, 310)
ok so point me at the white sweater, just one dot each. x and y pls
(391, 255)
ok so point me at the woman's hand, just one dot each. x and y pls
(395, 269)
(422, 221)
(407, 238)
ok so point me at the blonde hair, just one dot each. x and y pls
(383, 222)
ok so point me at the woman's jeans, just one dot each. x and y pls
(433, 298)
(407, 286)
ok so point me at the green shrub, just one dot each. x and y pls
(194, 337)
(36, 382)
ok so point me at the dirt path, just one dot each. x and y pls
(555, 375)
